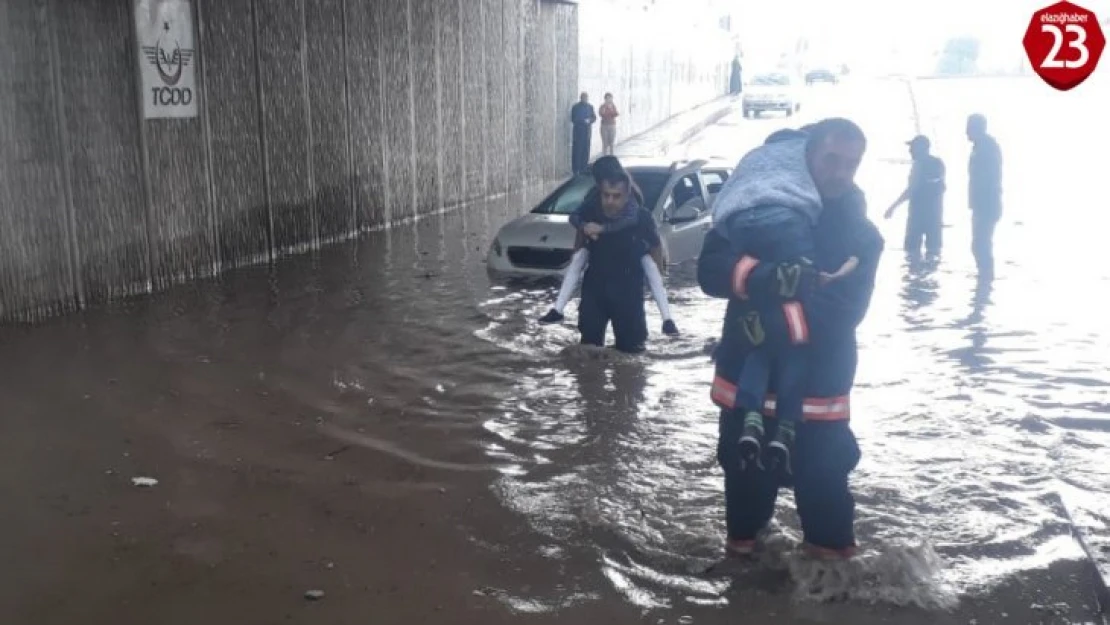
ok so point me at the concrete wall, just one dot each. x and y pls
(318, 118)
(656, 63)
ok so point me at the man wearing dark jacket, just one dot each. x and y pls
(984, 186)
(582, 118)
(613, 285)
(825, 447)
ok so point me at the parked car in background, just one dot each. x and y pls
(679, 195)
(776, 91)
(822, 74)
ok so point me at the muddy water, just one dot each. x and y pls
(981, 411)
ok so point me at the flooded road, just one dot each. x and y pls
(379, 422)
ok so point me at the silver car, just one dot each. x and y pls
(678, 194)
(771, 92)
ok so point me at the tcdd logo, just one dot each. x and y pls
(170, 66)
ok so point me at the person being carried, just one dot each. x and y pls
(767, 211)
(628, 218)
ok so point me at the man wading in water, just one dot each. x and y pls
(825, 450)
(613, 285)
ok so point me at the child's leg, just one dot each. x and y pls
(751, 391)
(571, 279)
(791, 372)
(658, 290)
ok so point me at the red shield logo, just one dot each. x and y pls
(1064, 43)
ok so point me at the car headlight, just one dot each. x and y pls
(496, 247)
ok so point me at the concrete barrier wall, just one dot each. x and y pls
(657, 62)
(317, 119)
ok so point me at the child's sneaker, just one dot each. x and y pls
(669, 328)
(750, 445)
(552, 316)
(780, 449)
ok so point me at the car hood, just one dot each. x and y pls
(538, 230)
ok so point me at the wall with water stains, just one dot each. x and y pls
(318, 119)
(656, 63)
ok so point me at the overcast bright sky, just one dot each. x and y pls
(857, 28)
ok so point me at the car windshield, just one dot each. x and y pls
(569, 196)
(651, 183)
(771, 79)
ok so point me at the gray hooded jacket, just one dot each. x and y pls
(773, 174)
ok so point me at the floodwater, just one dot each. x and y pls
(380, 422)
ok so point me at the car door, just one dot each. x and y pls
(684, 197)
(712, 180)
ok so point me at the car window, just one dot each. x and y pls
(566, 198)
(685, 189)
(713, 179)
(651, 184)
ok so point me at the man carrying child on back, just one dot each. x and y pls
(652, 260)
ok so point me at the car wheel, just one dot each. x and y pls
(797, 107)
(747, 113)
(789, 111)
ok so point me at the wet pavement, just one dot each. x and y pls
(378, 422)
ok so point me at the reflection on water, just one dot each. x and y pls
(980, 407)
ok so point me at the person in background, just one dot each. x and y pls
(984, 187)
(608, 113)
(735, 81)
(603, 168)
(582, 118)
(925, 194)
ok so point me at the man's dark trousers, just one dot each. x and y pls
(925, 224)
(983, 222)
(825, 453)
(580, 148)
(624, 306)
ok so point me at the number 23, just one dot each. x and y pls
(1052, 60)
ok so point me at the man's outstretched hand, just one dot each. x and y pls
(592, 230)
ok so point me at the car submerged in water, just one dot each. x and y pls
(539, 244)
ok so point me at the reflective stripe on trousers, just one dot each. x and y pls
(836, 408)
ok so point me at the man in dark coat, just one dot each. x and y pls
(582, 118)
(825, 448)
